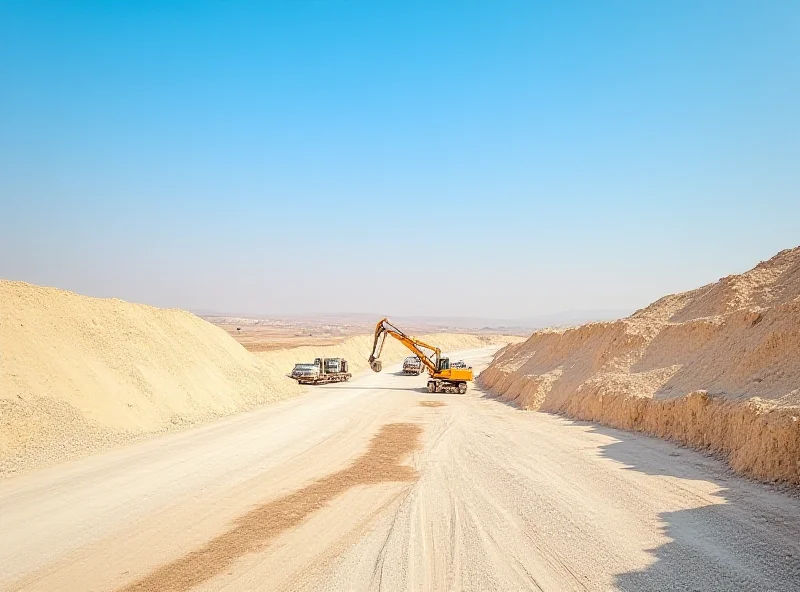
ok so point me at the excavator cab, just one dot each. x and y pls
(444, 364)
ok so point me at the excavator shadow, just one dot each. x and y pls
(375, 388)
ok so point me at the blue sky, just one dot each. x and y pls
(427, 158)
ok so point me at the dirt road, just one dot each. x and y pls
(378, 485)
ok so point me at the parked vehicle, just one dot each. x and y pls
(412, 365)
(322, 371)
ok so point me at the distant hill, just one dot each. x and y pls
(560, 319)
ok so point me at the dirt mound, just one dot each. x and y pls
(79, 374)
(716, 368)
(82, 373)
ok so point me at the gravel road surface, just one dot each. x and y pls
(377, 485)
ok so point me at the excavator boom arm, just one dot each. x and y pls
(384, 328)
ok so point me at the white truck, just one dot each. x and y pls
(412, 365)
(322, 371)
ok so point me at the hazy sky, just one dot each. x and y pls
(415, 158)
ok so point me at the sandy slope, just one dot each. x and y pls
(82, 374)
(717, 368)
(359, 487)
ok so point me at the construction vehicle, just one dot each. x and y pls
(443, 378)
(322, 371)
(412, 365)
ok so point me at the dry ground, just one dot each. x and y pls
(368, 486)
(268, 335)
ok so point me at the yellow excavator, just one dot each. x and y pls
(443, 378)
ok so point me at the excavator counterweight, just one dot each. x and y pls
(443, 378)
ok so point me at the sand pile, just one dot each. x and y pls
(79, 374)
(82, 373)
(717, 368)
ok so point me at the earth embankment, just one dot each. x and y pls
(717, 368)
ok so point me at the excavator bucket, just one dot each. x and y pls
(376, 366)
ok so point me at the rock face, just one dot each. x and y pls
(716, 368)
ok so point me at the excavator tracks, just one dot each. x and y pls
(441, 386)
